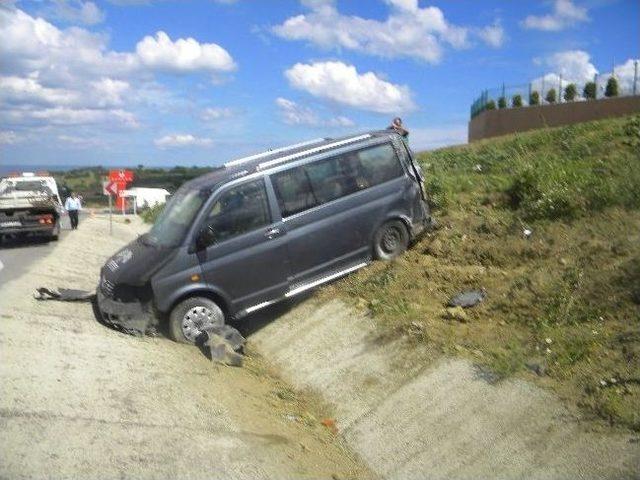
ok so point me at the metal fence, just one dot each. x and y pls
(553, 89)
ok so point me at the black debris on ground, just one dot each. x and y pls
(467, 299)
(63, 295)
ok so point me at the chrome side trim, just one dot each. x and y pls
(322, 280)
(242, 160)
(293, 156)
(260, 305)
(302, 288)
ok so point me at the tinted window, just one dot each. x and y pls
(293, 190)
(240, 210)
(313, 184)
(379, 164)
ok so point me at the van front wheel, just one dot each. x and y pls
(192, 316)
(390, 240)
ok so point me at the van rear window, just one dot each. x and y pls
(316, 183)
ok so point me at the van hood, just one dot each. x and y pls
(134, 264)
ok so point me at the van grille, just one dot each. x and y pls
(107, 287)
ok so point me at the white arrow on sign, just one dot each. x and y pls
(110, 188)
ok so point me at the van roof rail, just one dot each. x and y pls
(321, 148)
(242, 160)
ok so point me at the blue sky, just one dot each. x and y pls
(129, 82)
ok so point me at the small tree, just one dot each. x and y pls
(491, 105)
(570, 92)
(516, 101)
(589, 91)
(502, 102)
(551, 96)
(534, 98)
(612, 87)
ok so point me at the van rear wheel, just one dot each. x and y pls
(390, 240)
(192, 316)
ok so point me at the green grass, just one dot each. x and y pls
(567, 297)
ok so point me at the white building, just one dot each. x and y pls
(146, 197)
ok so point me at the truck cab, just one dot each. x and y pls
(30, 205)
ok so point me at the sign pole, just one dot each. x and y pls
(110, 217)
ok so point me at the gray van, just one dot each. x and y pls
(264, 228)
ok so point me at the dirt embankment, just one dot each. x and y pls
(78, 400)
(447, 419)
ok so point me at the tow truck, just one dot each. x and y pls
(30, 205)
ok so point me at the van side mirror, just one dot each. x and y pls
(206, 237)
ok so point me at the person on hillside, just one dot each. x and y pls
(73, 206)
(397, 126)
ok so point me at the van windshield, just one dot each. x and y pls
(175, 219)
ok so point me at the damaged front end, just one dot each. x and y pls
(124, 294)
(122, 309)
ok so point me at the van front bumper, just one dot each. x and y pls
(130, 317)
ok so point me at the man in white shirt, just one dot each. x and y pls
(73, 206)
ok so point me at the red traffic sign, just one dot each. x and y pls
(111, 188)
(121, 175)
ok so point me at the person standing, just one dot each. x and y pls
(73, 206)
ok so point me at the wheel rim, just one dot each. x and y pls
(391, 240)
(197, 320)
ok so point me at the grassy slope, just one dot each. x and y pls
(565, 299)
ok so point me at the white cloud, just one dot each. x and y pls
(81, 142)
(565, 14)
(9, 137)
(572, 65)
(110, 91)
(65, 77)
(295, 114)
(493, 35)
(183, 55)
(408, 31)
(18, 90)
(66, 116)
(216, 113)
(342, 83)
(178, 140)
(625, 75)
(74, 11)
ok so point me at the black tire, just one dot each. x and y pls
(203, 311)
(55, 235)
(390, 240)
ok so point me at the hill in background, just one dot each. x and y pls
(548, 222)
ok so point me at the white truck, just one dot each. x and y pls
(30, 205)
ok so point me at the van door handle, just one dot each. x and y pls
(272, 232)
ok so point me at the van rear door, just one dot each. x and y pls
(247, 262)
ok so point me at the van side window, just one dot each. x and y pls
(307, 186)
(240, 210)
(293, 190)
(380, 164)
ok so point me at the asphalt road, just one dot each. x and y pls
(17, 255)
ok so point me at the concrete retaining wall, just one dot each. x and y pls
(412, 421)
(492, 123)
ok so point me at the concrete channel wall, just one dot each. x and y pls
(412, 421)
(493, 123)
